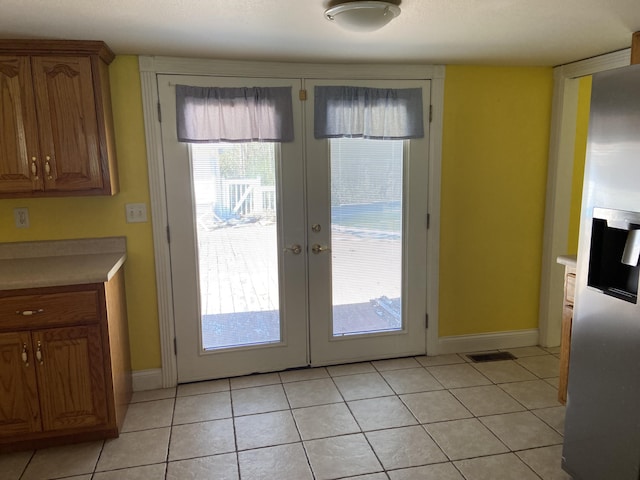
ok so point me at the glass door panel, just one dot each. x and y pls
(235, 206)
(366, 235)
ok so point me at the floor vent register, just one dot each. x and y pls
(491, 357)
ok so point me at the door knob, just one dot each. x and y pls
(295, 249)
(317, 248)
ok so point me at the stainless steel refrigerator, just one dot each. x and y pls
(602, 425)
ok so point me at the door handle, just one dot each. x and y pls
(295, 249)
(317, 248)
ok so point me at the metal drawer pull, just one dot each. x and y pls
(39, 353)
(47, 168)
(25, 358)
(27, 313)
(34, 168)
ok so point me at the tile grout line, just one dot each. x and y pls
(358, 423)
(24, 470)
(412, 414)
(104, 442)
(304, 448)
(173, 414)
(235, 432)
(527, 410)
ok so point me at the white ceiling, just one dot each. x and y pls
(494, 32)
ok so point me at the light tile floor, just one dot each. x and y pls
(426, 418)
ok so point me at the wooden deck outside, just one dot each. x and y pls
(239, 282)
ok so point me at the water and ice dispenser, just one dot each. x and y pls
(615, 253)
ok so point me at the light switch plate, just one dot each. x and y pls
(21, 217)
(136, 212)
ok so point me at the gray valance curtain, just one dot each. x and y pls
(214, 114)
(378, 113)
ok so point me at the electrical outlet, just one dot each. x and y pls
(136, 212)
(21, 217)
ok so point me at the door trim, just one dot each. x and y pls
(559, 178)
(151, 66)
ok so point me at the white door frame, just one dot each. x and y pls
(150, 66)
(559, 180)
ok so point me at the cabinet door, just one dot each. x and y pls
(19, 409)
(19, 154)
(69, 141)
(71, 378)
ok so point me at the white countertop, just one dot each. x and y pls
(60, 262)
(568, 260)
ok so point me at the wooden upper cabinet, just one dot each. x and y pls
(19, 150)
(55, 119)
(65, 103)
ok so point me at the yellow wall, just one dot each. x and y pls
(582, 127)
(495, 148)
(496, 128)
(60, 218)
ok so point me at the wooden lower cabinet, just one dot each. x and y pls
(19, 405)
(63, 377)
(565, 338)
(71, 377)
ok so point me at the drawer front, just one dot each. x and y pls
(37, 311)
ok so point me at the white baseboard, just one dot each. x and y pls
(147, 379)
(152, 379)
(487, 341)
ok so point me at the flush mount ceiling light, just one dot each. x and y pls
(360, 16)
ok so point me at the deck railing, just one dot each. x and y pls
(247, 197)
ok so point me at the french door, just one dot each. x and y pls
(284, 255)
(367, 201)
